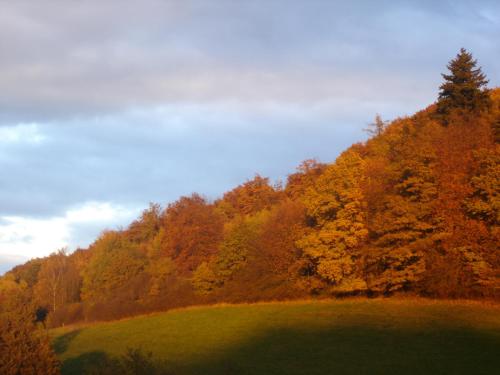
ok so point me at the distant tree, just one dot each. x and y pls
(377, 126)
(484, 203)
(205, 278)
(336, 209)
(52, 279)
(249, 198)
(240, 240)
(277, 243)
(239, 244)
(464, 88)
(27, 272)
(305, 176)
(160, 269)
(24, 347)
(147, 226)
(481, 275)
(405, 223)
(115, 261)
(193, 230)
(153, 245)
(495, 127)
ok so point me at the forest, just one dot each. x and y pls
(414, 210)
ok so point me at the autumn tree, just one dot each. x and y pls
(205, 278)
(496, 130)
(193, 230)
(240, 240)
(27, 272)
(147, 226)
(276, 267)
(464, 88)
(304, 178)
(58, 281)
(460, 173)
(277, 241)
(249, 198)
(405, 226)
(115, 261)
(484, 202)
(376, 127)
(160, 270)
(24, 346)
(239, 243)
(336, 208)
(148, 231)
(52, 273)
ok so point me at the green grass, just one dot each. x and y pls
(330, 337)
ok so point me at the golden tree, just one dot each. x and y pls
(336, 207)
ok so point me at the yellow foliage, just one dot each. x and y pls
(337, 207)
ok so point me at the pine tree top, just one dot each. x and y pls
(465, 87)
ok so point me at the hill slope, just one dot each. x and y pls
(341, 337)
(415, 209)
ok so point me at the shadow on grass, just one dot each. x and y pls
(343, 350)
(133, 362)
(83, 363)
(61, 343)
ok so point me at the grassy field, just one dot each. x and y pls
(386, 336)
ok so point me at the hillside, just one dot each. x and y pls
(413, 210)
(328, 337)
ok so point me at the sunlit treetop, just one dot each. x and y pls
(465, 87)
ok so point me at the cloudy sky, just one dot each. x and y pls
(106, 106)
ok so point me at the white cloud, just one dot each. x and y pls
(99, 213)
(23, 238)
(21, 133)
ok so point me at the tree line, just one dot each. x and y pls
(415, 209)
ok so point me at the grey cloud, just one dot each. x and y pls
(158, 154)
(63, 60)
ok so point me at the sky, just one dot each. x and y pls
(106, 106)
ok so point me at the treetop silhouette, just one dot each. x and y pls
(464, 88)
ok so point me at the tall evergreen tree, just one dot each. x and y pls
(464, 88)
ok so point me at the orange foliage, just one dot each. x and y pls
(193, 230)
(249, 198)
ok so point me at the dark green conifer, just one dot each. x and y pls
(464, 88)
